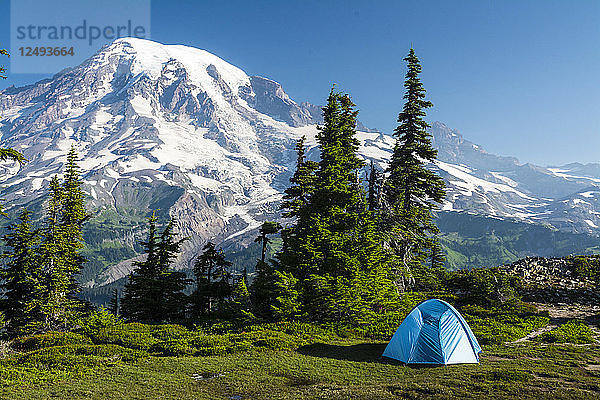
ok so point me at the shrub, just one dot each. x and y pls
(58, 358)
(49, 339)
(132, 335)
(484, 286)
(112, 351)
(170, 332)
(574, 331)
(211, 344)
(586, 267)
(97, 320)
(173, 348)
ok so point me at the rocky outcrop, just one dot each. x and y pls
(555, 280)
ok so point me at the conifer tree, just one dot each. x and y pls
(141, 296)
(285, 304)
(411, 190)
(240, 304)
(8, 154)
(266, 229)
(54, 290)
(11, 155)
(154, 292)
(297, 196)
(172, 283)
(332, 251)
(295, 205)
(73, 216)
(373, 194)
(263, 284)
(212, 280)
(2, 69)
(114, 304)
(20, 274)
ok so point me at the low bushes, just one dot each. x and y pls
(58, 357)
(50, 339)
(134, 336)
(574, 331)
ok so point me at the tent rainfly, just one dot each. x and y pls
(434, 333)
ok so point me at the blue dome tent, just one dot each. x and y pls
(434, 333)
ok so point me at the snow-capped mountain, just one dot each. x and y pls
(178, 129)
(567, 197)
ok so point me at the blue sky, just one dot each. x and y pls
(517, 77)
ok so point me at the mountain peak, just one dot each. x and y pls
(150, 58)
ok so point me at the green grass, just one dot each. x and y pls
(109, 359)
(341, 370)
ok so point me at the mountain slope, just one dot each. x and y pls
(178, 130)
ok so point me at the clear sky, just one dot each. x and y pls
(519, 77)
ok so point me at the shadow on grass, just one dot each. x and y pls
(365, 352)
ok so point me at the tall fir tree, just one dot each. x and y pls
(266, 229)
(302, 183)
(114, 304)
(20, 275)
(262, 288)
(60, 257)
(154, 291)
(374, 187)
(411, 190)
(332, 251)
(73, 216)
(172, 283)
(141, 300)
(211, 271)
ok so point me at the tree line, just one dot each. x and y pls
(352, 242)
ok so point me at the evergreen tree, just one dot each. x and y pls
(333, 251)
(54, 290)
(240, 304)
(73, 216)
(411, 190)
(297, 196)
(113, 305)
(172, 283)
(437, 257)
(141, 300)
(154, 292)
(20, 274)
(374, 183)
(11, 155)
(266, 229)
(8, 154)
(212, 280)
(285, 304)
(262, 287)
